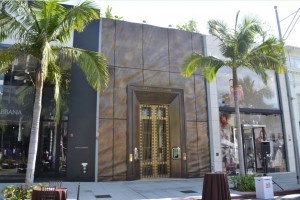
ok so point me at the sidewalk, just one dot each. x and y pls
(166, 189)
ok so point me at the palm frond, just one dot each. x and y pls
(84, 12)
(15, 20)
(218, 29)
(246, 34)
(93, 64)
(48, 56)
(76, 18)
(209, 64)
(55, 75)
(8, 55)
(268, 55)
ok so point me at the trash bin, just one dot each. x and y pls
(264, 187)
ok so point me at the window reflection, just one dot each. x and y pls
(16, 99)
(252, 92)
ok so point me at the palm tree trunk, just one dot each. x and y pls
(238, 123)
(34, 136)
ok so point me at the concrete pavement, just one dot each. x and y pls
(167, 189)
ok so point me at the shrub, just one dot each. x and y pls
(14, 192)
(244, 183)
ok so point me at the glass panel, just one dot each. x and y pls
(162, 140)
(147, 170)
(147, 138)
(272, 132)
(252, 92)
(63, 149)
(14, 140)
(146, 112)
(249, 151)
(48, 146)
(162, 169)
(259, 137)
(278, 161)
(16, 99)
(160, 112)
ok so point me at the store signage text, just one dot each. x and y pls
(10, 112)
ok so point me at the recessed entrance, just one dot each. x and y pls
(156, 126)
(154, 141)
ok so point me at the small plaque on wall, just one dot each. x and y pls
(176, 153)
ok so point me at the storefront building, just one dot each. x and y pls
(151, 122)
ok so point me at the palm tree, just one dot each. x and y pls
(42, 30)
(240, 49)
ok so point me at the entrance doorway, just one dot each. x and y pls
(154, 141)
(253, 137)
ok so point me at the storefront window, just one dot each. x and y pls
(263, 143)
(252, 92)
(16, 100)
(16, 106)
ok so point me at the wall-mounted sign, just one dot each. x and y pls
(81, 147)
(4, 111)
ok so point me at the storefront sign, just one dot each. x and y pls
(10, 112)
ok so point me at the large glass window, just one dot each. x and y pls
(263, 143)
(294, 62)
(252, 92)
(16, 101)
(16, 106)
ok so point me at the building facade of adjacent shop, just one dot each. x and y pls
(293, 63)
(151, 122)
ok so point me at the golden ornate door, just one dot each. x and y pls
(154, 141)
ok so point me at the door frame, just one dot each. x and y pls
(141, 94)
(252, 127)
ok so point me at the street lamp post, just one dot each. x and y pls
(291, 109)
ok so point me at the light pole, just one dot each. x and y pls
(291, 109)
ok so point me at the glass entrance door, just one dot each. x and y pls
(154, 141)
(252, 138)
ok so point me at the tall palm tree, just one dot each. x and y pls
(42, 30)
(240, 49)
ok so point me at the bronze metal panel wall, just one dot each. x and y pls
(203, 148)
(128, 50)
(156, 78)
(175, 138)
(187, 84)
(197, 45)
(180, 45)
(120, 167)
(124, 76)
(108, 39)
(149, 56)
(105, 149)
(106, 104)
(192, 149)
(155, 48)
(201, 101)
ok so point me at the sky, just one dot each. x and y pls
(166, 13)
